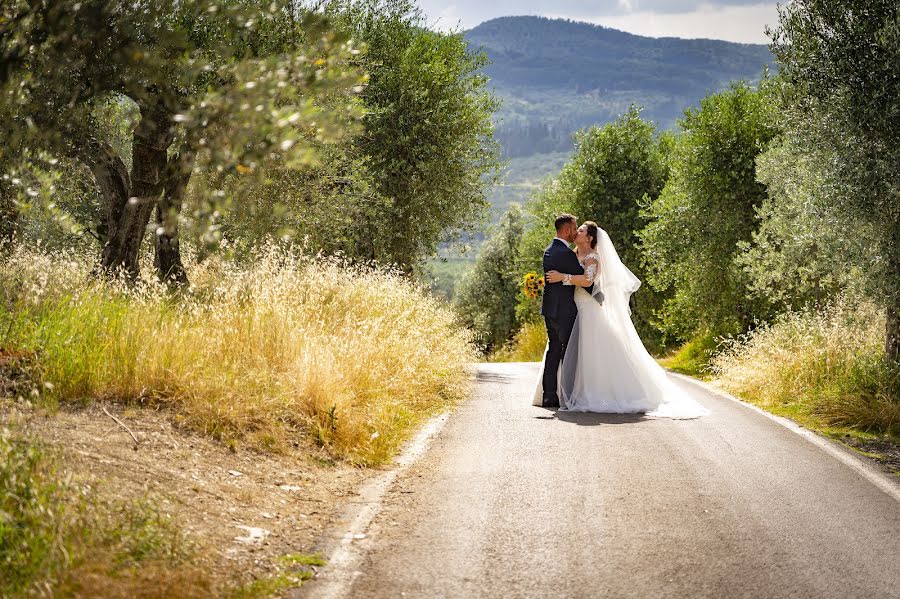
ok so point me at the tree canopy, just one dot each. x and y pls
(707, 208)
(220, 87)
(841, 63)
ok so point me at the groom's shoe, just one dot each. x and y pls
(550, 402)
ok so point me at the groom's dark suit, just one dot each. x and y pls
(559, 312)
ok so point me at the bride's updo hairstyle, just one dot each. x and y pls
(592, 232)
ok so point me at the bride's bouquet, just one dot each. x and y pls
(532, 285)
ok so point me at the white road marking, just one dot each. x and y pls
(335, 579)
(845, 456)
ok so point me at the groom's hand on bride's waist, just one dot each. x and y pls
(554, 276)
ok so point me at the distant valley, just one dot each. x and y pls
(556, 77)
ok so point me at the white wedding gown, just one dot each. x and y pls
(606, 367)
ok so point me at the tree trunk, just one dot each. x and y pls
(112, 180)
(127, 221)
(9, 219)
(892, 334)
(168, 263)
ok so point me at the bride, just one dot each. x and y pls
(606, 368)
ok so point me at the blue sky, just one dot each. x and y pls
(732, 20)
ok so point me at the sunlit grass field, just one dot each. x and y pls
(825, 369)
(350, 357)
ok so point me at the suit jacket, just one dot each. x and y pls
(559, 300)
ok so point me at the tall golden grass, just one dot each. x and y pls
(352, 357)
(528, 345)
(828, 365)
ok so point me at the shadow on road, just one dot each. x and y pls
(492, 377)
(591, 419)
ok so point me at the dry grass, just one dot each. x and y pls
(828, 367)
(57, 539)
(527, 346)
(352, 357)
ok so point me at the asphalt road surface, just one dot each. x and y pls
(519, 501)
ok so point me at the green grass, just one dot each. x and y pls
(59, 538)
(302, 559)
(294, 569)
(692, 358)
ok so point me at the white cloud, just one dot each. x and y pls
(448, 18)
(732, 20)
(745, 24)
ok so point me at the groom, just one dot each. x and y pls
(558, 305)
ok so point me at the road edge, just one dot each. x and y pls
(843, 454)
(343, 552)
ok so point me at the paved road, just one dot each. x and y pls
(512, 501)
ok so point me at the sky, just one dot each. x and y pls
(732, 20)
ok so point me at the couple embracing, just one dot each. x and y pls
(595, 360)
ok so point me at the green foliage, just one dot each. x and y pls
(528, 345)
(805, 251)
(486, 297)
(614, 167)
(60, 538)
(427, 132)
(292, 571)
(842, 106)
(706, 210)
(693, 357)
(216, 88)
(30, 510)
(418, 170)
(826, 368)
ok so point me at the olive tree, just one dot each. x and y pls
(840, 59)
(217, 87)
(707, 209)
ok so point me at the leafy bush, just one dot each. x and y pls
(354, 357)
(693, 357)
(707, 208)
(804, 251)
(486, 296)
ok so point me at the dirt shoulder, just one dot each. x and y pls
(243, 510)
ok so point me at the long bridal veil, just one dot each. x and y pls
(607, 368)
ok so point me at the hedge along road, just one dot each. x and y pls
(513, 500)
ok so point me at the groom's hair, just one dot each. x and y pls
(562, 220)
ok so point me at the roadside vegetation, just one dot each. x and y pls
(251, 355)
(57, 539)
(825, 369)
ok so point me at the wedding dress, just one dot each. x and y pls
(606, 367)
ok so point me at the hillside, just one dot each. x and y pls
(557, 76)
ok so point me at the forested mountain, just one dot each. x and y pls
(558, 76)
